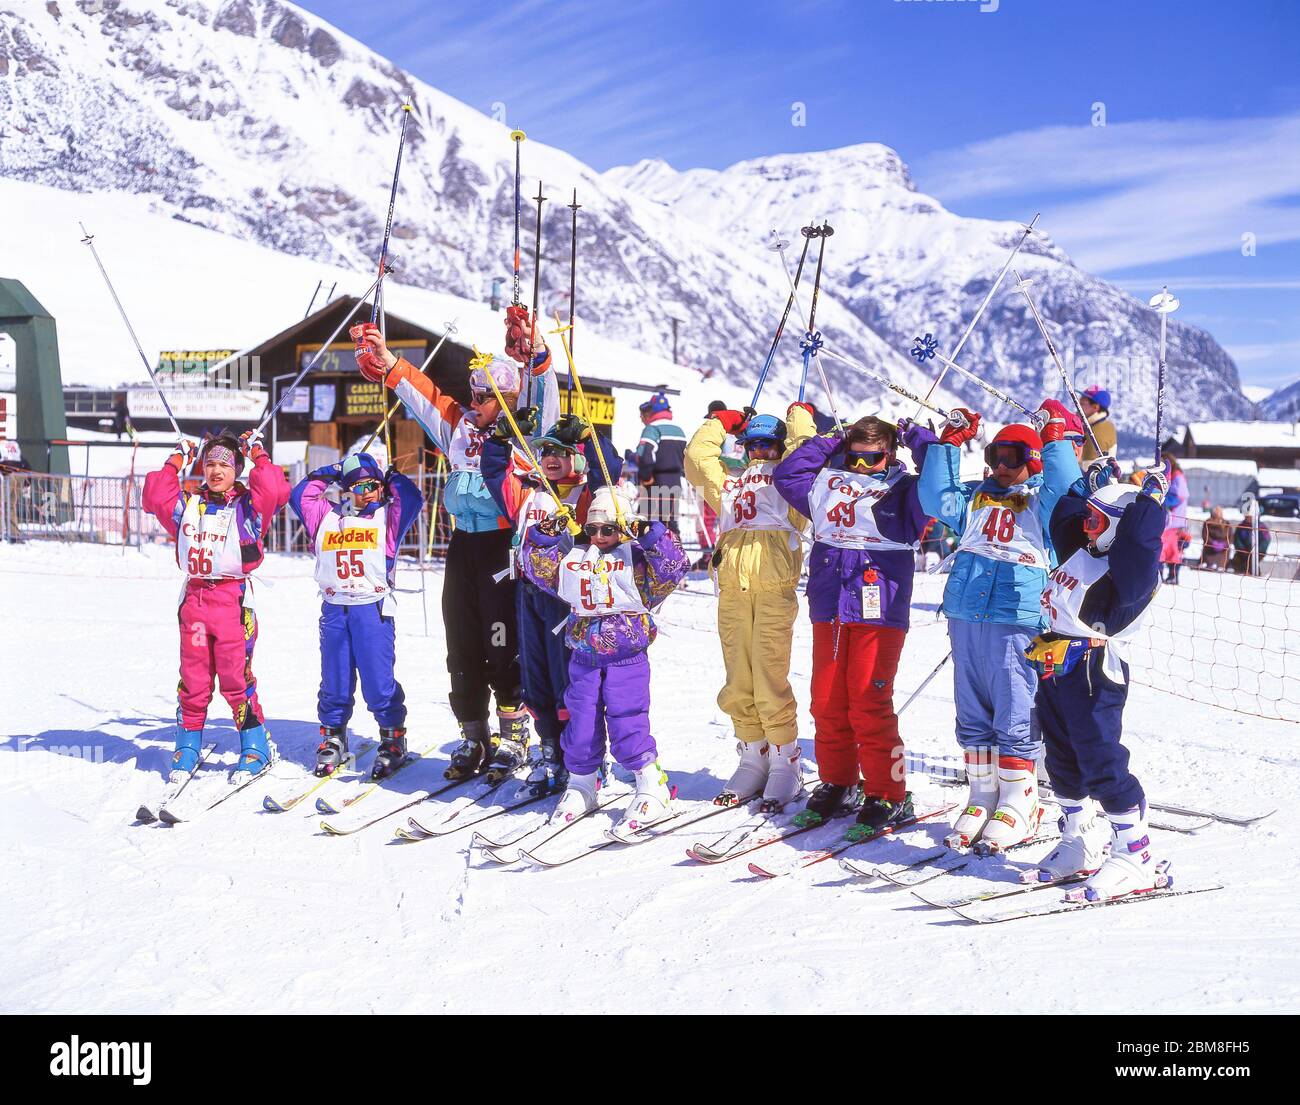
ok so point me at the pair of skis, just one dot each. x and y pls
(343, 773)
(181, 801)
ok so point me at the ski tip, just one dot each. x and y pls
(271, 805)
(761, 872)
(330, 829)
(145, 816)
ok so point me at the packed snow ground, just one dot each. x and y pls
(254, 911)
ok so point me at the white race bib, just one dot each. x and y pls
(843, 509)
(1006, 528)
(595, 584)
(351, 565)
(1063, 599)
(464, 450)
(750, 501)
(207, 544)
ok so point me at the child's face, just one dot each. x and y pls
(604, 536)
(219, 477)
(1008, 466)
(366, 492)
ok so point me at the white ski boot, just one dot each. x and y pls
(578, 799)
(652, 802)
(1085, 840)
(981, 799)
(784, 777)
(1131, 867)
(750, 776)
(1018, 812)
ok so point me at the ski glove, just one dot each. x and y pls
(804, 406)
(1049, 420)
(368, 340)
(251, 441)
(501, 431)
(732, 421)
(526, 420)
(183, 457)
(959, 435)
(519, 334)
(570, 429)
(1100, 472)
(328, 473)
(1155, 486)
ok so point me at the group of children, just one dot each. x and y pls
(552, 581)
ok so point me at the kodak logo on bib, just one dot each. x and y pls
(352, 538)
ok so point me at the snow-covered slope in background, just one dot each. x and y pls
(258, 120)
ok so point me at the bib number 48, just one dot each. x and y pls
(1000, 525)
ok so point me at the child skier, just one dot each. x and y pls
(566, 454)
(1109, 548)
(356, 542)
(478, 609)
(611, 587)
(992, 604)
(219, 529)
(758, 562)
(866, 520)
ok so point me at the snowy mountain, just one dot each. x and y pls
(256, 119)
(1282, 404)
(905, 266)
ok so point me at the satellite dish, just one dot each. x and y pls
(1163, 303)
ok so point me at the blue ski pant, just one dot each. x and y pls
(543, 658)
(358, 640)
(1081, 714)
(994, 687)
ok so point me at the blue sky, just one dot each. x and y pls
(993, 110)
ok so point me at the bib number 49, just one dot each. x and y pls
(1000, 526)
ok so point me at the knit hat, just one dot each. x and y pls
(358, 467)
(504, 372)
(656, 404)
(603, 510)
(1029, 443)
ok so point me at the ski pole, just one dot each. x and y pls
(319, 354)
(573, 279)
(517, 136)
(537, 279)
(89, 239)
(1028, 230)
(925, 683)
(779, 245)
(809, 344)
(586, 417)
(1022, 286)
(1165, 305)
(952, 417)
(484, 361)
(921, 348)
(437, 492)
(388, 224)
(450, 329)
(314, 294)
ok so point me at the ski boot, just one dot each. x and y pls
(878, 814)
(549, 775)
(750, 775)
(470, 756)
(1018, 812)
(578, 800)
(189, 747)
(981, 800)
(510, 749)
(391, 754)
(784, 778)
(332, 750)
(257, 752)
(828, 800)
(1131, 867)
(651, 802)
(1085, 840)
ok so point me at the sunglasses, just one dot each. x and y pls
(555, 451)
(365, 487)
(761, 443)
(599, 529)
(863, 462)
(477, 397)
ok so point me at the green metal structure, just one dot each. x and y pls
(39, 379)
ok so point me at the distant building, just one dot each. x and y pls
(1268, 444)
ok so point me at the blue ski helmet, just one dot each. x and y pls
(763, 427)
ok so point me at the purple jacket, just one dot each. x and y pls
(658, 565)
(836, 575)
(404, 503)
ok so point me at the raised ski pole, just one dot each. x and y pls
(586, 416)
(779, 245)
(811, 336)
(970, 326)
(573, 279)
(1165, 305)
(450, 329)
(89, 239)
(925, 348)
(1022, 286)
(517, 136)
(924, 683)
(537, 287)
(484, 361)
(313, 362)
(319, 285)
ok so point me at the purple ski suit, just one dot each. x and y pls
(609, 673)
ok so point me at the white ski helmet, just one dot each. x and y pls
(1106, 507)
(604, 510)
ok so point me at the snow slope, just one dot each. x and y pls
(253, 911)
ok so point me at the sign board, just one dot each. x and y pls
(202, 404)
(332, 360)
(180, 362)
(600, 408)
(362, 397)
(298, 402)
(322, 402)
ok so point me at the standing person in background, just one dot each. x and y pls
(1243, 544)
(1216, 533)
(1096, 405)
(1175, 538)
(659, 461)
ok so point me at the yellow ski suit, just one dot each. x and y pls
(757, 574)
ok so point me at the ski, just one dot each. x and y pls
(421, 796)
(171, 816)
(821, 855)
(148, 814)
(1046, 908)
(740, 844)
(943, 863)
(607, 839)
(363, 787)
(1000, 890)
(466, 816)
(351, 760)
(511, 850)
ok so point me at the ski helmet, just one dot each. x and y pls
(763, 427)
(608, 503)
(1106, 507)
(358, 467)
(1022, 437)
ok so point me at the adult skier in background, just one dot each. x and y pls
(478, 608)
(758, 562)
(866, 519)
(356, 541)
(659, 461)
(1108, 543)
(219, 530)
(992, 602)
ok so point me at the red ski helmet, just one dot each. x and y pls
(1024, 438)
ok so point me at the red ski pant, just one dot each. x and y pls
(853, 706)
(217, 638)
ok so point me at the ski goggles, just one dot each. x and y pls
(365, 487)
(863, 462)
(1007, 454)
(477, 396)
(600, 529)
(1094, 522)
(752, 443)
(555, 451)
(1076, 440)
